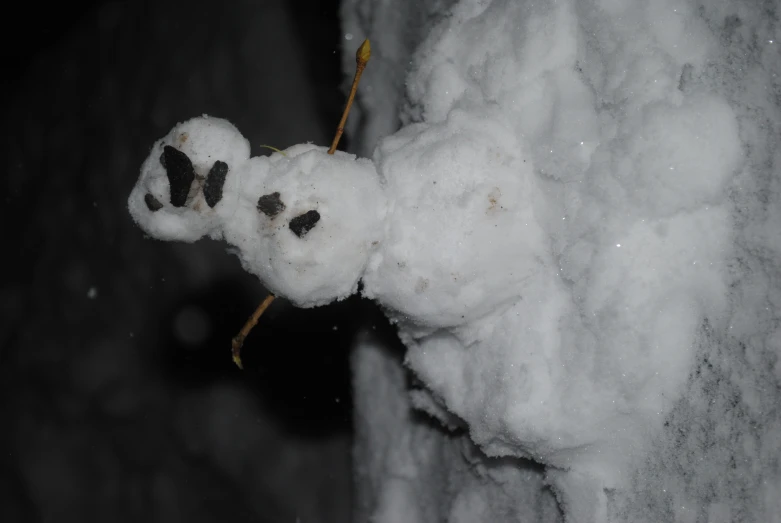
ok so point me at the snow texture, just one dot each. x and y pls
(203, 142)
(640, 364)
(576, 233)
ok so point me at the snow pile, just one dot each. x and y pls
(555, 232)
(408, 471)
(636, 362)
(577, 235)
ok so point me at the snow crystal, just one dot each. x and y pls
(543, 337)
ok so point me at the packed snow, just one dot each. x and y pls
(576, 233)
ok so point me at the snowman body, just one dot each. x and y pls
(440, 229)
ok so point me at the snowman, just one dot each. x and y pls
(438, 228)
(311, 224)
(415, 225)
(519, 325)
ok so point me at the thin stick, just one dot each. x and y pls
(238, 340)
(361, 59)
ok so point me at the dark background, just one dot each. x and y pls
(119, 399)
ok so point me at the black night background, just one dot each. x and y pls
(120, 401)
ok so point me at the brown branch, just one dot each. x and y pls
(361, 59)
(238, 340)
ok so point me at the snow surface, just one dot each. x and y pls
(576, 232)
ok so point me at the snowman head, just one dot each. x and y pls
(180, 192)
(306, 222)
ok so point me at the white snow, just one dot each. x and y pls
(326, 262)
(313, 264)
(576, 233)
(459, 190)
(204, 140)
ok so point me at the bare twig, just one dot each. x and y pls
(361, 59)
(238, 340)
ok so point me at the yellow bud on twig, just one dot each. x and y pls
(361, 58)
(363, 53)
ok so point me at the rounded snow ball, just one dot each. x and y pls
(306, 222)
(180, 192)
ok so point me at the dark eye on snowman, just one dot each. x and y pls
(302, 224)
(212, 189)
(270, 204)
(152, 203)
(180, 173)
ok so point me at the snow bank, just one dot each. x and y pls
(634, 360)
(574, 250)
